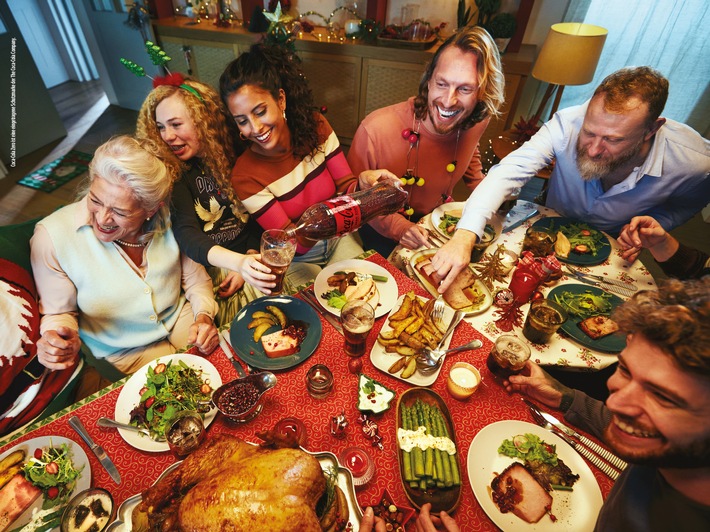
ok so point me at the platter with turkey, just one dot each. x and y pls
(231, 484)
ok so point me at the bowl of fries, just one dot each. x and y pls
(409, 328)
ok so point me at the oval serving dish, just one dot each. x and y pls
(446, 499)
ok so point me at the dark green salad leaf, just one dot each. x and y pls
(585, 305)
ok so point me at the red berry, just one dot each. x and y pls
(38, 453)
(149, 402)
(52, 492)
(355, 365)
(52, 468)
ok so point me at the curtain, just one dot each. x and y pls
(669, 35)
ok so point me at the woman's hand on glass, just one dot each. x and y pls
(368, 178)
(257, 274)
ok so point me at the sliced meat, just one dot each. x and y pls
(15, 497)
(456, 295)
(516, 490)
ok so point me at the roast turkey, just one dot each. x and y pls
(228, 484)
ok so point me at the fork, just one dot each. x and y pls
(437, 311)
(615, 282)
(586, 453)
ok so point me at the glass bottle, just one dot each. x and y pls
(348, 212)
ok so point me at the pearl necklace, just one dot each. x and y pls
(130, 244)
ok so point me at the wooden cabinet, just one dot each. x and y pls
(351, 80)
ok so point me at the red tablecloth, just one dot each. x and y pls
(289, 398)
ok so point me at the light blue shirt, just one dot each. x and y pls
(671, 185)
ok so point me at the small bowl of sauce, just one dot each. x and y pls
(463, 380)
(241, 399)
(360, 464)
(89, 510)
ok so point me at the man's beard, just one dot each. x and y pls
(434, 118)
(688, 456)
(591, 170)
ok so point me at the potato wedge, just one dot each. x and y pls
(402, 325)
(411, 341)
(405, 350)
(398, 365)
(414, 326)
(279, 314)
(388, 335)
(410, 368)
(260, 330)
(404, 309)
(386, 342)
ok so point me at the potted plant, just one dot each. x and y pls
(502, 28)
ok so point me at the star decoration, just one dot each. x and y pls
(277, 17)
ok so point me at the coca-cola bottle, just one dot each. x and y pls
(346, 213)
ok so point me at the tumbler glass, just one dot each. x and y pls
(278, 248)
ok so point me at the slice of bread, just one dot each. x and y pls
(598, 326)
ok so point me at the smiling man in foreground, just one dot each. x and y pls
(657, 414)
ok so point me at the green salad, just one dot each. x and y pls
(585, 305)
(169, 389)
(529, 448)
(52, 470)
(448, 223)
(583, 239)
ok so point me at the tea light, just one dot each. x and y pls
(319, 381)
(352, 27)
(360, 464)
(508, 260)
(463, 380)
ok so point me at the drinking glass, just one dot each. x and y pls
(540, 241)
(507, 357)
(278, 247)
(543, 320)
(357, 318)
(319, 381)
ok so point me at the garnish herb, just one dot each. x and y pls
(585, 305)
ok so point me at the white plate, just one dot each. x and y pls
(388, 291)
(438, 213)
(130, 395)
(575, 510)
(382, 360)
(468, 311)
(78, 458)
(345, 482)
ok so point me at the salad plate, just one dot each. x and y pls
(575, 510)
(252, 353)
(79, 460)
(613, 343)
(560, 223)
(453, 208)
(388, 290)
(130, 395)
(123, 522)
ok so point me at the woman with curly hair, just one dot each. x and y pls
(293, 158)
(210, 224)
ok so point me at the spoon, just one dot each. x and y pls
(107, 422)
(429, 360)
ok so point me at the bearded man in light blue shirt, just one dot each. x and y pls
(615, 158)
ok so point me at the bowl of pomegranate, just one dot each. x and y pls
(241, 400)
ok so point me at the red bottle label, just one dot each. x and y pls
(345, 212)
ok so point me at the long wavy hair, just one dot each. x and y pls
(491, 82)
(139, 165)
(676, 318)
(272, 68)
(643, 82)
(215, 129)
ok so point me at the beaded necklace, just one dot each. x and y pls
(130, 244)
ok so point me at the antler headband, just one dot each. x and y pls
(160, 58)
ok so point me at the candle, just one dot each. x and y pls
(352, 27)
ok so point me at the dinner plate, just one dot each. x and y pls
(582, 259)
(123, 522)
(438, 213)
(252, 353)
(79, 459)
(440, 499)
(575, 510)
(388, 291)
(613, 343)
(382, 360)
(468, 311)
(129, 398)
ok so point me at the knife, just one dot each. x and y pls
(515, 225)
(626, 292)
(229, 352)
(615, 282)
(589, 455)
(77, 425)
(601, 451)
(310, 298)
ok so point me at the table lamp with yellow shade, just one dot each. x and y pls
(569, 56)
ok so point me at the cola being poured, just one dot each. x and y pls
(347, 213)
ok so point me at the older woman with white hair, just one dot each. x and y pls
(109, 272)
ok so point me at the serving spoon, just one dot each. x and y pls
(429, 360)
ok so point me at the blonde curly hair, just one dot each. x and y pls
(215, 129)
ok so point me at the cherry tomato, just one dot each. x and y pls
(149, 402)
(38, 453)
(205, 389)
(585, 232)
(52, 468)
(52, 492)
(160, 368)
(355, 365)
(537, 295)
(143, 390)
